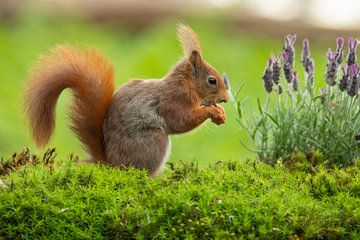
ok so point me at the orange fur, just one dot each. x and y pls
(91, 78)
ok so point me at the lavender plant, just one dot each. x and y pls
(308, 119)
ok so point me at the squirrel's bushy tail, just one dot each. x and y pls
(91, 78)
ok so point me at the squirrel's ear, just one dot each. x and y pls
(195, 60)
(189, 41)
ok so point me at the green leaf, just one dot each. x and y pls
(239, 109)
(259, 106)
(272, 118)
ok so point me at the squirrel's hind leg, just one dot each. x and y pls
(164, 159)
(148, 149)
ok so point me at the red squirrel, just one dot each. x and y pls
(130, 128)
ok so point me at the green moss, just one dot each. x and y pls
(225, 200)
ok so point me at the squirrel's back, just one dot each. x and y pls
(91, 78)
(134, 107)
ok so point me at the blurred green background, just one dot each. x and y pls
(236, 46)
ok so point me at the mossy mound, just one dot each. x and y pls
(226, 200)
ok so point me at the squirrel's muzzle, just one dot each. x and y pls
(223, 98)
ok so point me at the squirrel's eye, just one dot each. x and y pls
(212, 80)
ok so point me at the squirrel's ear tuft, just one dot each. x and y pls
(189, 40)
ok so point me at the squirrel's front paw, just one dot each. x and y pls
(218, 115)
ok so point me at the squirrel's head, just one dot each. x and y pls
(206, 81)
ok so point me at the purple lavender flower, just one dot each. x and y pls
(308, 62)
(353, 70)
(288, 56)
(352, 51)
(305, 53)
(295, 81)
(289, 48)
(331, 68)
(353, 88)
(268, 76)
(280, 89)
(344, 78)
(287, 67)
(310, 69)
(339, 49)
(276, 68)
